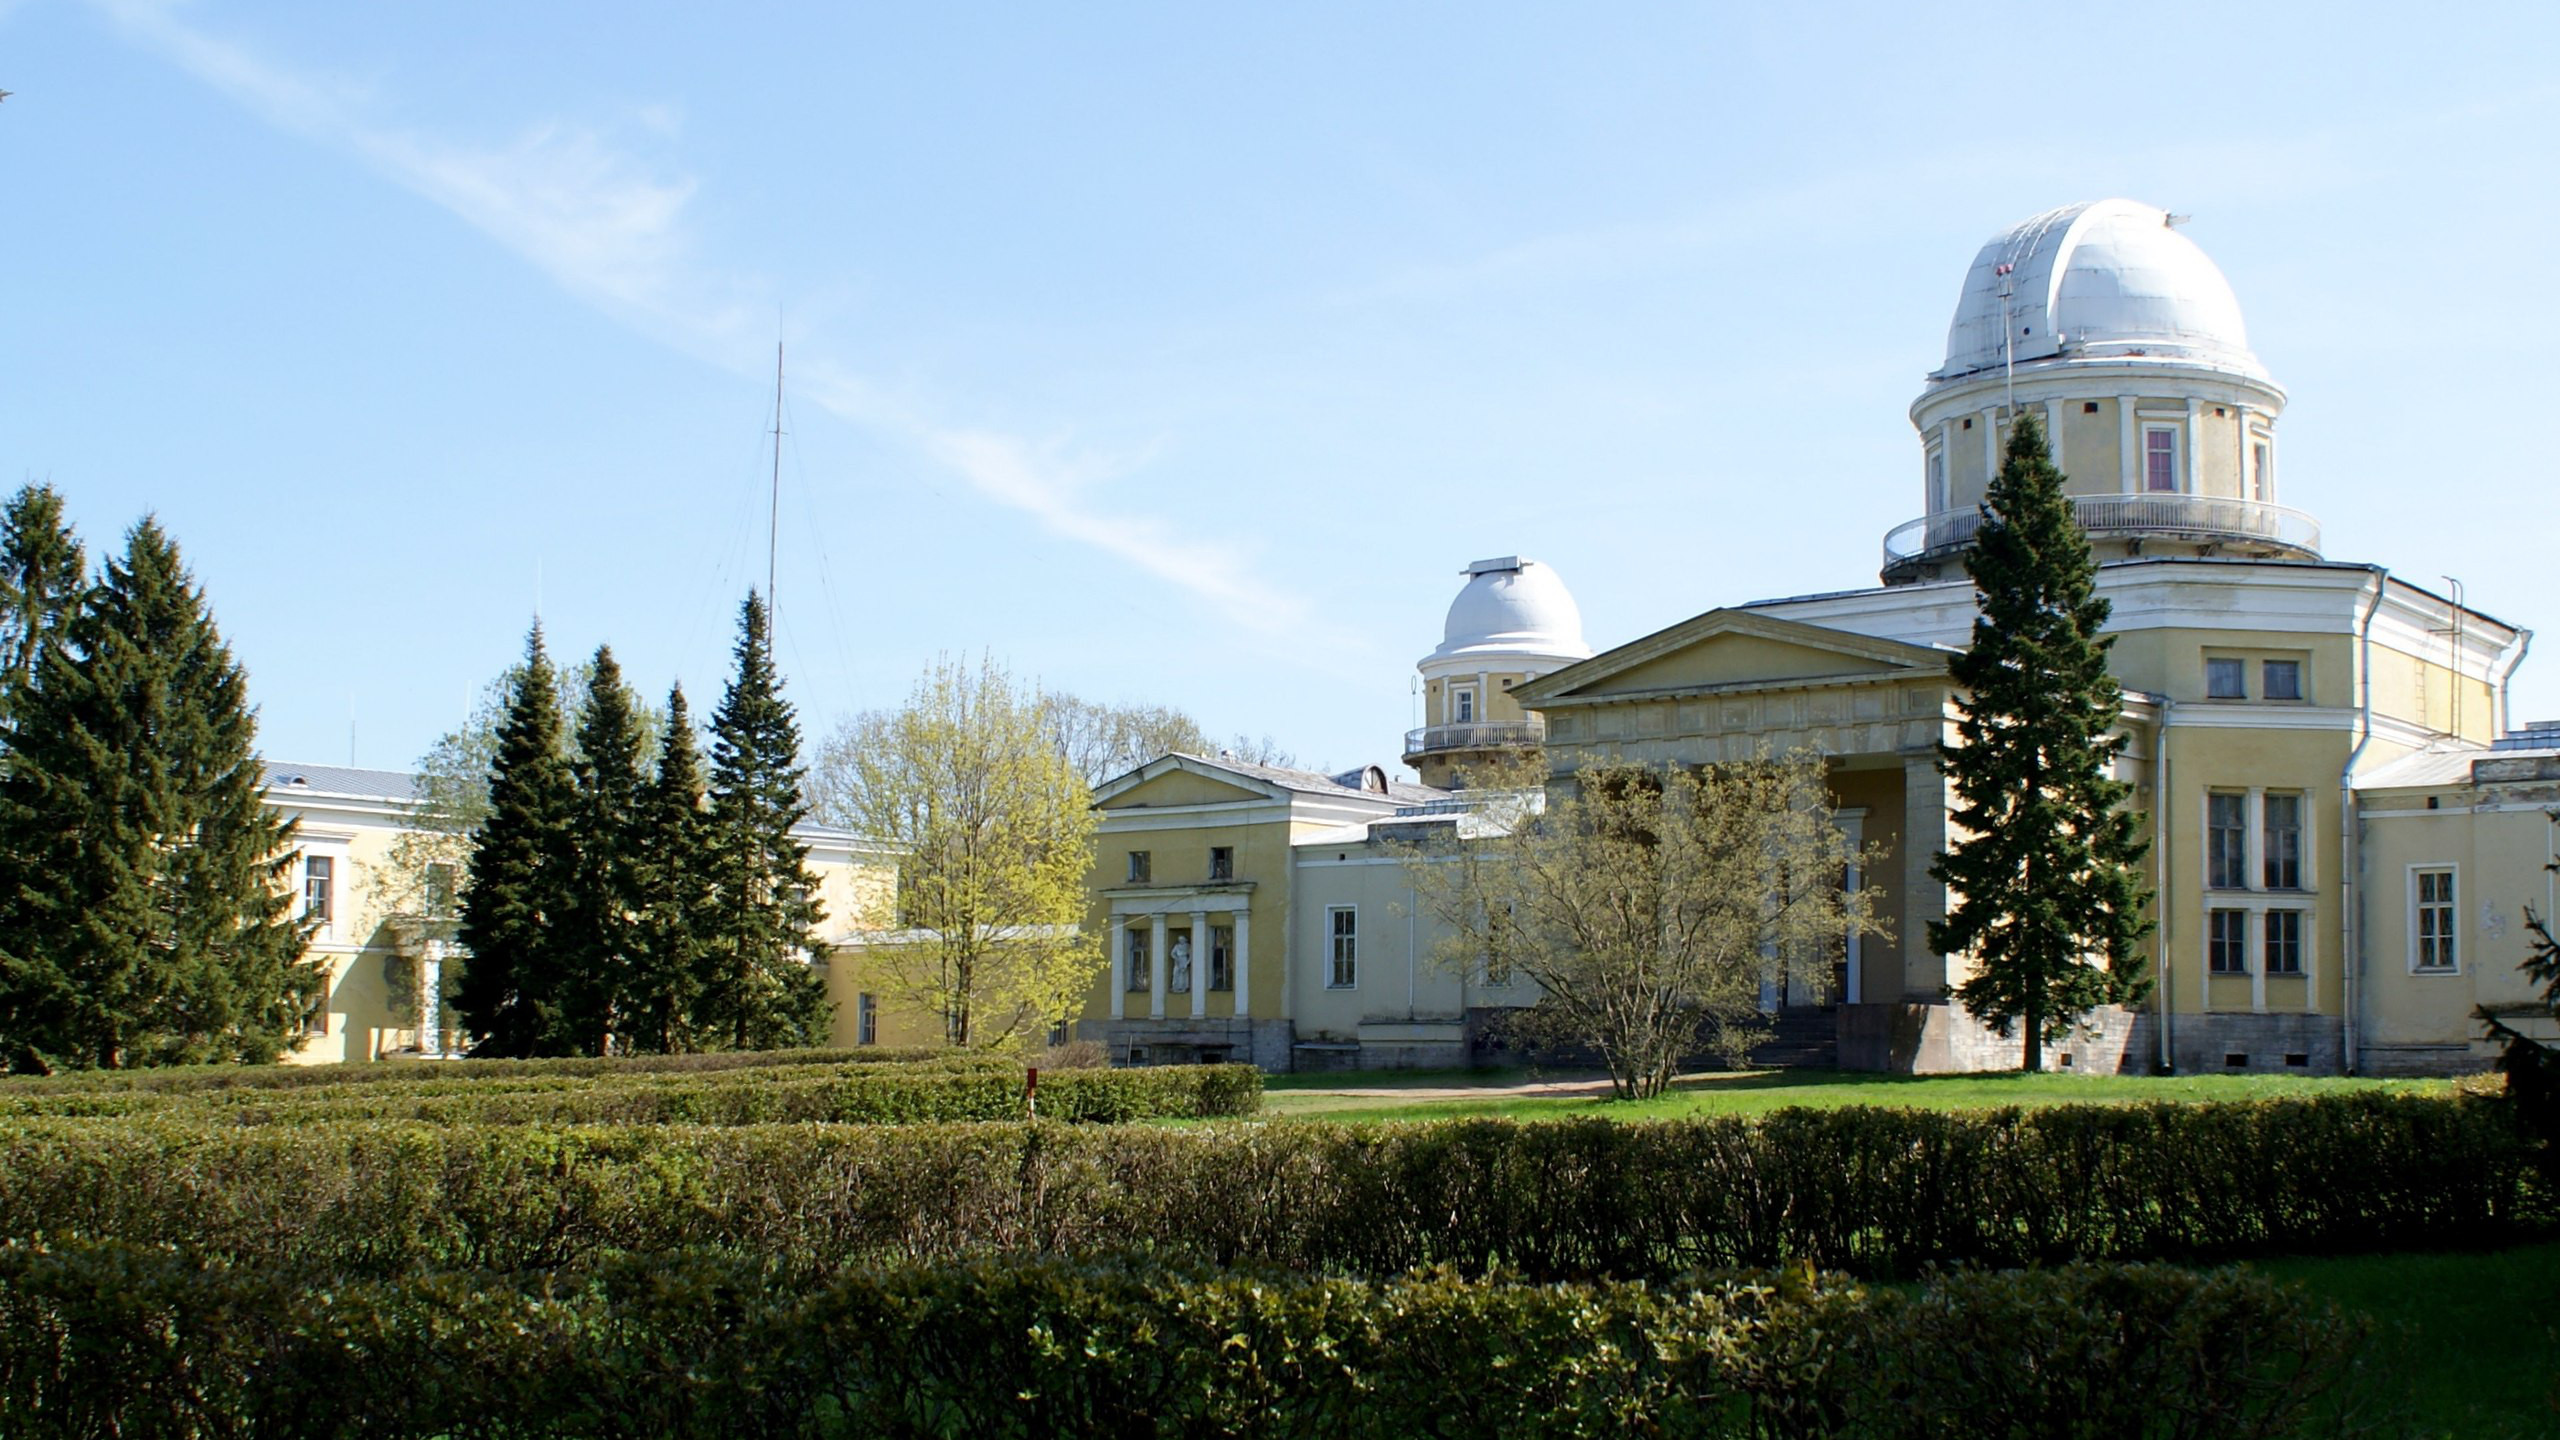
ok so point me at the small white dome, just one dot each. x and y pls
(2111, 280)
(1512, 606)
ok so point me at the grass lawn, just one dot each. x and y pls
(1432, 1095)
(2473, 1340)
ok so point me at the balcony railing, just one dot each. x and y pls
(1474, 735)
(2213, 519)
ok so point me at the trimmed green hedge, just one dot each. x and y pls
(1874, 1192)
(964, 1088)
(123, 1340)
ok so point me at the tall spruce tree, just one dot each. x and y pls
(515, 992)
(597, 945)
(758, 986)
(2048, 899)
(42, 576)
(675, 890)
(147, 920)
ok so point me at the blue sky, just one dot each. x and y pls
(1180, 354)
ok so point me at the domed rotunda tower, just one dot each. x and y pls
(2123, 338)
(1513, 622)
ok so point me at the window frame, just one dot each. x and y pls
(315, 1016)
(1462, 704)
(1137, 954)
(2226, 954)
(2267, 670)
(320, 880)
(1221, 960)
(2450, 906)
(1142, 867)
(1222, 862)
(2282, 925)
(866, 1019)
(1342, 947)
(2233, 666)
(2170, 452)
(2271, 875)
(2216, 876)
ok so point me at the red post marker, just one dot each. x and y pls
(1031, 1092)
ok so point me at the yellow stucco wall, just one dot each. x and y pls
(1178, 861)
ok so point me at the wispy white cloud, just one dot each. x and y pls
(612, 229)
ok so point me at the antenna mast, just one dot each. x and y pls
(773, 516)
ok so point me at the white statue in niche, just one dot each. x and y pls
(1181, 957)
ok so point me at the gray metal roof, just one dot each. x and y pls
(285, 778)
(1308, 782)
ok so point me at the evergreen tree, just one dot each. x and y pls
(514, 994)
(42, 575)
(148, 920)
(758, 986)
(675, 890)
(597, 944)
(2048, 899)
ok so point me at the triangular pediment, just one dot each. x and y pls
(1182, 780)
(1725, 649)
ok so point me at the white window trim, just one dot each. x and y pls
(1333, 939)
(2248, 958)
(2177, 457)
(2453, 908)
(1464, 695)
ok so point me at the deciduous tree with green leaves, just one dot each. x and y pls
(2046, 897)
(994, 827)
(514, 990)
(1649, 906)
(757, 983)
(145, 917)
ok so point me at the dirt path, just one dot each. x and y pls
(1497, 1090)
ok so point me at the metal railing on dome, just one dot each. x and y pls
(1474, 735)
(2212, 518)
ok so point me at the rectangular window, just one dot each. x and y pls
(1141, 960)
(1222, 957)
(2262, 472)
(2227, 942)
(2431, 920)
(2160, 460)
(1222, 862)
(2284, 942)
(1142, 866)
(866, 1020)
(2224, 678)
(1342, 932)
(2226, 841)
(317, 871)
(315, 1016)
(1462, 706)
(2282, 842)
(2281, 680)
(440, 890)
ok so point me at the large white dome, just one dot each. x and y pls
(1512, 606)
(2111, 280)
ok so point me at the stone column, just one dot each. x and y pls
(1244, 977)
(1924, 834)
(1990, 443)
(431, 1000)
(1199, 964)
(1115, 947)
(1156, 964)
